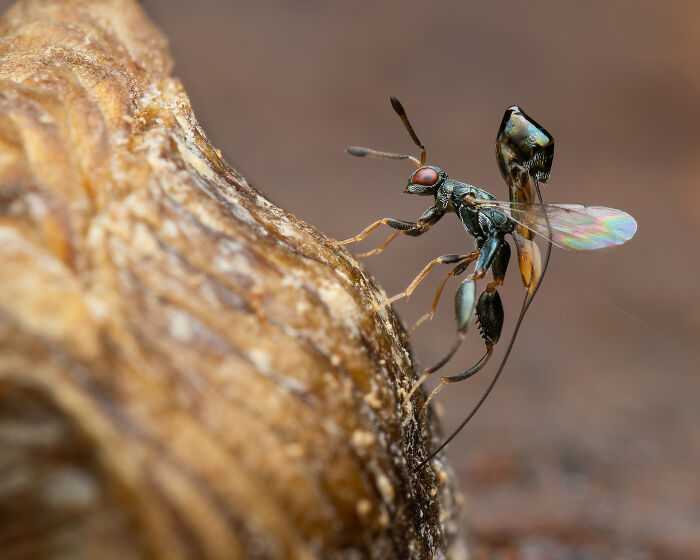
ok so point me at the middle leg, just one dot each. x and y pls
(488, 308)
(489, 313)
(446, 259)
(464, 311)
(456, 271)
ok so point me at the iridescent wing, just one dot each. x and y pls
(575, 227)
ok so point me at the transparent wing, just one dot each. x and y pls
(576, 227)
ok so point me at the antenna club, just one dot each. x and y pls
(356, 151)
(397, 106)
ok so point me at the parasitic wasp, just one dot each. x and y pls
(524, 151)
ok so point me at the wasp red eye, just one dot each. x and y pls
(426, 176)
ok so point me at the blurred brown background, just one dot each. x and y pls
(589, 446)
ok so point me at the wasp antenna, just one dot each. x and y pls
(526, 304)
(368, 152)
(396, 104)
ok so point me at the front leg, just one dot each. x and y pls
(429, 217)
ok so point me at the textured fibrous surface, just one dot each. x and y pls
(186, 371)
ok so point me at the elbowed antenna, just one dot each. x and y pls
(368, 152)
(400, 111)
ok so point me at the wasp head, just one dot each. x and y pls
(425, 180)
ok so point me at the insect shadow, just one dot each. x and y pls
(524, 152)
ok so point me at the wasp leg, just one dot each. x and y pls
(488, 253)
(436, 366)
(429, 217)
(379, 249)
(456, 271)
(462, 376)
(472, 370)
(464, 310)
(499, 266)
(498, 256)
(464, 306)
(489, 313)
(444, 259)
(391, 222)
